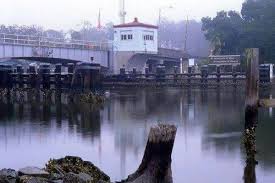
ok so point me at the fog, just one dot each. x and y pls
(67, 14)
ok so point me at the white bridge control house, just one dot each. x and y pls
(133, 38)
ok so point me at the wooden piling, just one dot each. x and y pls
(71, 73)
(156, 162)
(251, 106)
(252, 87)
(58, 76)
(218, 75)
(33, 77)
(19, 71)
(204, 75)
(189, 75)
(234, 75)
(44, 72)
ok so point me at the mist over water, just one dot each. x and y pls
(208, 146)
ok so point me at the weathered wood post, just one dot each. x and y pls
(77, 79)
(122, 74)
(176, 71)
(2, 76)
(146, 73)
(71, 72)
(5, 78)
(96, 77)
(58, 76)
(32, 77)
(252, 88)
(234, 75)
(19, 72)
(189, 75)
(44, 71)
(160, 73)
(204, 75)
(218, 75)
(134, 74)
(251, 113)
(156, 163)
(8, 77)
(86, 72)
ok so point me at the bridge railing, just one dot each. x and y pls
(53, 42)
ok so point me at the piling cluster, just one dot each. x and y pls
(82, 76)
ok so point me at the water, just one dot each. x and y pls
(207, 148)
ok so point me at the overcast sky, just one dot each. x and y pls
(66, 14)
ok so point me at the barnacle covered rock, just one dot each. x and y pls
(76, 165)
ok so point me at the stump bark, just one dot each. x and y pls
(156, 163)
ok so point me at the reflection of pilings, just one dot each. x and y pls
(88, 125)
(249, 173)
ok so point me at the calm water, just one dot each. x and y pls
(207, 148)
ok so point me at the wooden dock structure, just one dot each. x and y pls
(84, 76)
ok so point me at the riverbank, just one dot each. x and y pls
(65, 170)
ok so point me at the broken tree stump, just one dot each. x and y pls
(156, 163)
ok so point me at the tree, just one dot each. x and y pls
(259, 26)
(230, 32)
(224, 32)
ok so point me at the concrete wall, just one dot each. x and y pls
(102, 57)
(136, 44)
(120, 59)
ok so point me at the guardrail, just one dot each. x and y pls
(39, 41)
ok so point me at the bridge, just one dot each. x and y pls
(46, 48)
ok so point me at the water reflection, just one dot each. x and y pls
(208, 143)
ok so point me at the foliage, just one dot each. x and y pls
(230, 32)
(223, 32)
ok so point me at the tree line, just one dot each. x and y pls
(231, 32)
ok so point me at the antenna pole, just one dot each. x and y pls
(186, 34)
(122, 12)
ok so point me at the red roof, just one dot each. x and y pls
(136, 23)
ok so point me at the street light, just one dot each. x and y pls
(160, 11)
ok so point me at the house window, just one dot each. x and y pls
(130, 36)
(148, 37)
(126, 37)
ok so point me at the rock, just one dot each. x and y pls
(77, 166)
(4, 179)
(56, 181)
(77, 178)
(33, 171)
(56, 176)
(85, 177)
(10, 173)
(30, 179)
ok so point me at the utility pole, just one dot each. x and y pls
(122, 12)
(186, 35)
(99, 20)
